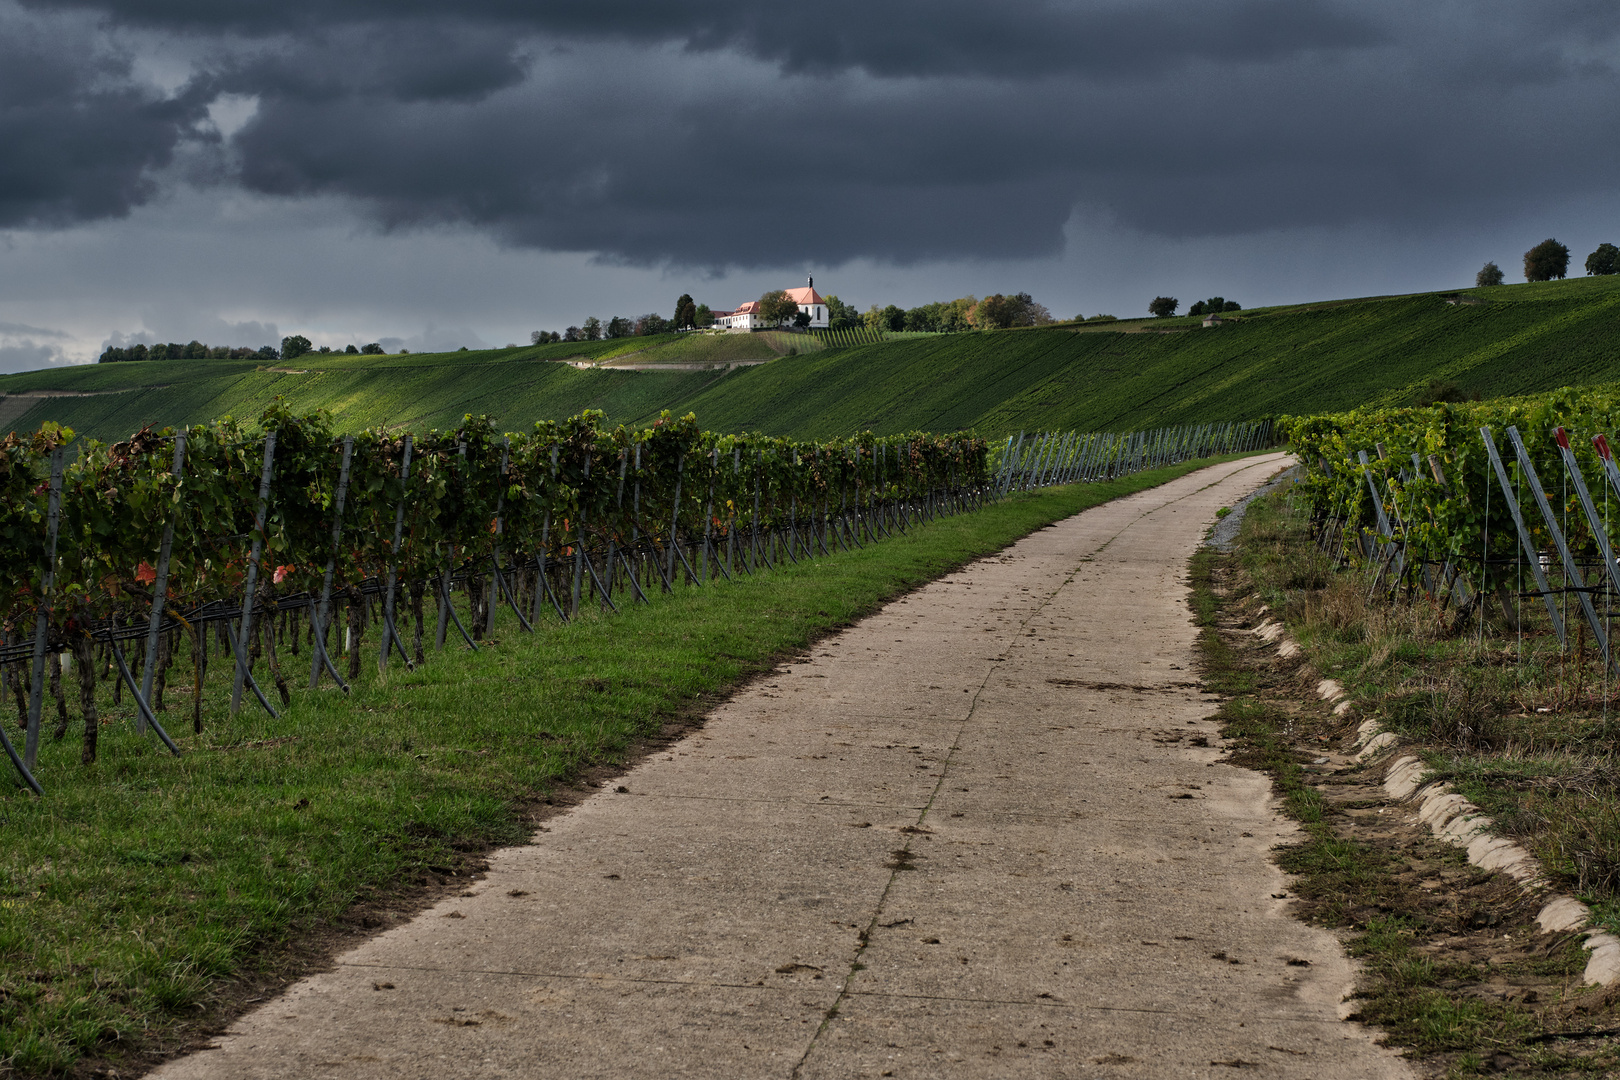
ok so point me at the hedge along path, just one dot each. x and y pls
(974, 835)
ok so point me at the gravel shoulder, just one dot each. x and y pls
(985, 832)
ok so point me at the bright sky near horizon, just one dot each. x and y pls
(433, 175)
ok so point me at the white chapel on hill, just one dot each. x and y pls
(747, 316)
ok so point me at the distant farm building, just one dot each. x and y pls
(747, 316)
(1213, 320)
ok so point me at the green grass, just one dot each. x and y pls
(1300, 359)
(141, 885)
(721, 348)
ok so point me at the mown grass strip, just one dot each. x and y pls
(141, 895)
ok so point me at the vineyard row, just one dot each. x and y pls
(245, 544)
(1471, 503)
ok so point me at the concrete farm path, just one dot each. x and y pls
(984, 833)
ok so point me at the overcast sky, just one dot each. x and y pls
(438, 175)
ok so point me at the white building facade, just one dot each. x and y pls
(747, 316)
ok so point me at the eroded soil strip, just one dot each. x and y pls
(983, 833)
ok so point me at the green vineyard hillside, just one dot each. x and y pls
(1306, 358)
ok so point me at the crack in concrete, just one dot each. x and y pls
(844, 992)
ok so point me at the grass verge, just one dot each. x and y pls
(1454, 969)
(147, 899)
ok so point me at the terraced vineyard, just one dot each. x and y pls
(1316, 358)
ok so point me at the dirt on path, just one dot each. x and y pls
(984, 833)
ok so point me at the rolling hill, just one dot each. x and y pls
(1333, 355)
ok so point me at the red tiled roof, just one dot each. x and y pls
(804, 297)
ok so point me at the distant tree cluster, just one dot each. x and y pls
(194, 350)
(1163, 307)
(997, 311)
(619, 326)
(1549, 260)
(890, 317)
(689, 315)
(296, 345)
(841, 316)
(1215, 305)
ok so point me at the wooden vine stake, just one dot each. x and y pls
(390, 636)
(160, 588)
(319, 658)
(42, 620)
(257, 550)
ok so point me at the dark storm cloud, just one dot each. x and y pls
(742, 134)
(80, 136)
(1015, 38)
(404, 60)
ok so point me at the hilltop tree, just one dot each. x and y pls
(372, 349)
(996, 312)
(1605, 260)
(591, 331)
(1162, 307)
(1030, 312)
(294, 346)
(885, 318)
(1547, 260)
(953, 316)
(841, 316)
(703, 317)
(925, 318)
(1214, 306)
(619, 327)
(777, 308)
(685, 312)
(1490, 274)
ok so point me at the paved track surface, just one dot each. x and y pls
(977, 835)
